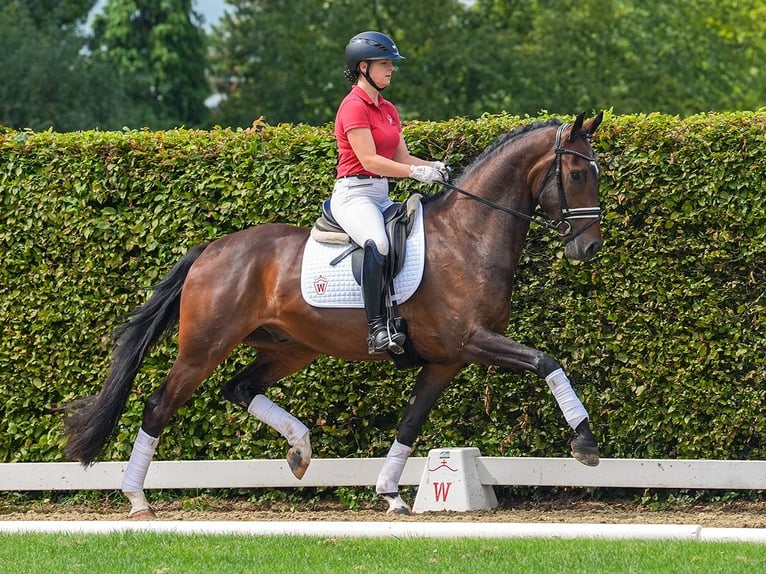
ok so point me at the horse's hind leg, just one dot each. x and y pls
(182, 380)
(248, 389)
(430, 383)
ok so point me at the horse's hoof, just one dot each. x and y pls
(396, 505)
(140, 509)
(585, 450)
(299, 456)
(143, 514)
(298, 464)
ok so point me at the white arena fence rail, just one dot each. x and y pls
(493, 471)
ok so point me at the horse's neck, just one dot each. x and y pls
(505, 186)
(479, 240)
(485, 237)
(506, 181)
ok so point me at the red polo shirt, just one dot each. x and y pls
(357, 110)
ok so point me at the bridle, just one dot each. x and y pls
(562, 225)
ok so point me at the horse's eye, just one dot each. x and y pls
(576, 175)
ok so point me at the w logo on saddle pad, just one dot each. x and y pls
(326, 285)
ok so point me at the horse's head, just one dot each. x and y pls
(569, 192)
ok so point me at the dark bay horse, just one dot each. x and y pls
(244, 288)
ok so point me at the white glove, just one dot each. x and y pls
(427, 174)
(444, 168)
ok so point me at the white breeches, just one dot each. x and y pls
(358, 206)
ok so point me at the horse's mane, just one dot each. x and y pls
(495, 147)
(502, 140)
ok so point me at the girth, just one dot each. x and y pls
(398, 219)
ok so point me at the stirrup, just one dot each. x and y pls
(382, 339)
(396, 342)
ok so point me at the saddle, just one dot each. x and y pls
(398, 219)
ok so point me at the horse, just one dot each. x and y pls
(243, 288)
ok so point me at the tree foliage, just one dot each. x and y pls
(44, 82)
(156, 48)
(283, 60)
(145, 65)
(150, 63)
(61, 12)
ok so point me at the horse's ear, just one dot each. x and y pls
(592, 125)
(574, 133)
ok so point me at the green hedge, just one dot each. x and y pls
(664, 334)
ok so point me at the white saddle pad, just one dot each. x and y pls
(323, 285)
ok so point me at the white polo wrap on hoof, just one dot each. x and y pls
(388, 479)
(573, 409)
(138, 465)
(278, 418)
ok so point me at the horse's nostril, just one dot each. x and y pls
(592, 248)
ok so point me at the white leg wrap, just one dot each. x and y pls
(573, 409)
(278, 418)
(388, 479)
(138, 465)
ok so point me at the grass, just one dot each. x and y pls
(158, 553)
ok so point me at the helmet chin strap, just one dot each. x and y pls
(367, 77)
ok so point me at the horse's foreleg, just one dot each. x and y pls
(430, 383)
(247, 389)
(570, 405)
(584, 446)
(296, 433)
(490, 348)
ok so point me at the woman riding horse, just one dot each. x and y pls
(245, 288)
(371, 149)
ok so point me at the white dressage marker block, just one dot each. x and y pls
(451, 481)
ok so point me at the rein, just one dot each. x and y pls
(541, 219)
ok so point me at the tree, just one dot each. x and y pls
(284, 59)
(677, 57)
(44, 80)
(278, 59)
(59, 12)
(157, 48)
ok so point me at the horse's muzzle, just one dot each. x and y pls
(582, 248)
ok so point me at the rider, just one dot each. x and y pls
(371, 149)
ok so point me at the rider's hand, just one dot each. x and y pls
(427, 174)
(444, 168)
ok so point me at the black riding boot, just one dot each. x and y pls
(381, 338)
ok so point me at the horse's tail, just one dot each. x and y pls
(91, 421)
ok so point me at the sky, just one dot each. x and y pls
(211, 10)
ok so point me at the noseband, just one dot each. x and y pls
(562, 225)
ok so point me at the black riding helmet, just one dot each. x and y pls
(366, 47)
